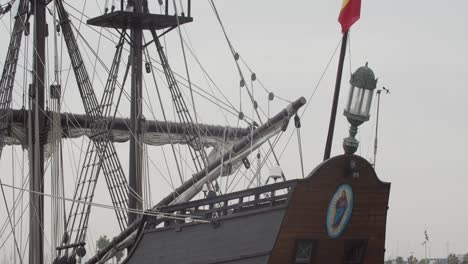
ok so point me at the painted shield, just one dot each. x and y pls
(339, 210)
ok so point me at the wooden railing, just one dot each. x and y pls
(225, 205)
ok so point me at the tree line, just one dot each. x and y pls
(451, 259)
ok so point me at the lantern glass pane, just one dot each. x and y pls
(360, 102)
(369, 102)
(355, 102)
(365, 105)
(350, 96)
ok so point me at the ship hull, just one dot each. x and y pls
(336, 215)
(246, 238)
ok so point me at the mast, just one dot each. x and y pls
(37, 136)
(336, 95)
(377, 127)
(377, 123)
(136, 140)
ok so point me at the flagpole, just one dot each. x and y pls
(336, 95)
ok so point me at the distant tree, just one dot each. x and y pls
(399, 260)
(465, 259)
(430, 261)
(118, 256)
(422, 261)
(412, 260)
(388, 262)
(102, 242)
(452, 259)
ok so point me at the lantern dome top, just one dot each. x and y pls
(364, 78)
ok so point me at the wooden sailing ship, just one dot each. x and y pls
(337, 214)
(279, 223)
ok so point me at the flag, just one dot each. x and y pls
(349, 14)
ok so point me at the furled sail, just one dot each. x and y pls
(156, 133)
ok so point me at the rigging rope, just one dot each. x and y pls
(312, 95)
(16, 202)
(236, 57)
(165, 120)
(124, 92)
(192, 136)
(101, 152)
(10, 221)
(205, 72)
(58, 218)
(11, 231)
(213, 99)
(6, 87)
(260, 82)
(195, 218)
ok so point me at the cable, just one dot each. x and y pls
(10, 221)
(213, 99)
(165, 120)
(312, 95)
(195, 218)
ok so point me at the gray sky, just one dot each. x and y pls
(416, 48)
(418, 51)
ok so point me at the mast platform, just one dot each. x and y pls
(126, 19)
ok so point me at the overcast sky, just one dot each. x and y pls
(418, 50)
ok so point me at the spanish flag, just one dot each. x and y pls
(349, 14)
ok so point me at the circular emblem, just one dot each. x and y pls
(339, 210)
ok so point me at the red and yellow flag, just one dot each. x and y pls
(349, 14)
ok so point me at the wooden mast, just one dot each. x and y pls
(336, 95)
(37, 136)
(136, 140)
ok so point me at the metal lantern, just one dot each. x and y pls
(363, 83)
